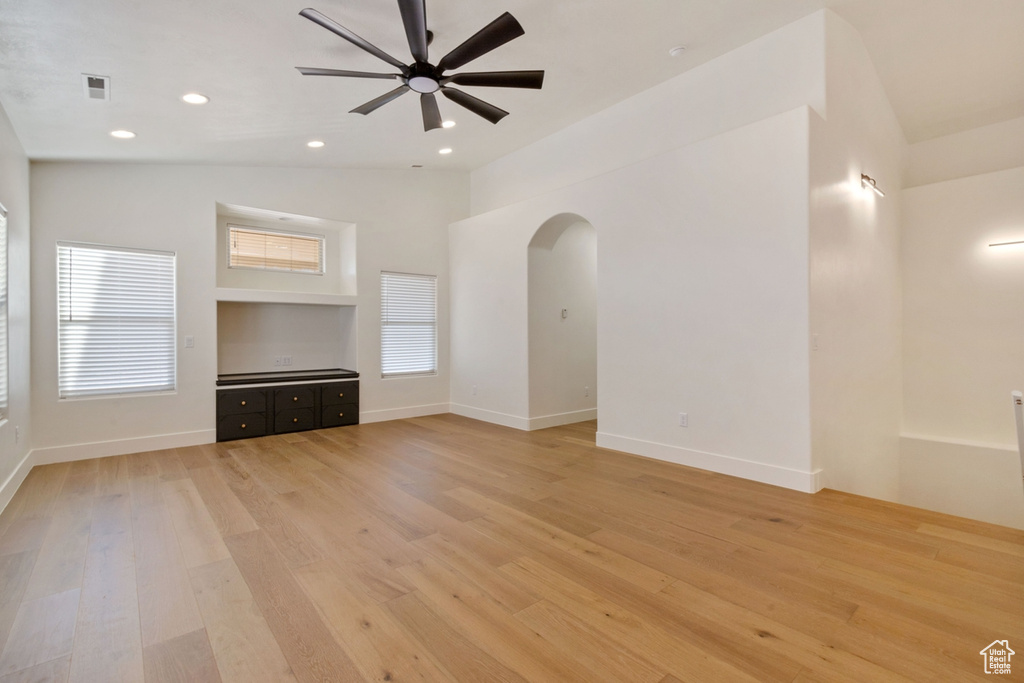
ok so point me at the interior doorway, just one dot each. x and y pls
(562, 284)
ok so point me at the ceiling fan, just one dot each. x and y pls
(425, 78)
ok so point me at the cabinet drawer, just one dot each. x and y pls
(337, 393)
(295, 420)
(293, 397)
(236, 402)
(339, 415)
(241, 426)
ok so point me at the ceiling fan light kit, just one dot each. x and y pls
(428, 79)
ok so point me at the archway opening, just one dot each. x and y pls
(562, 290)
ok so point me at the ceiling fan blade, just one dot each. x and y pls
(431, 114)
(499, 79)
(379, 102)
(313, 71)
(494, 35)
(414, 16)
(477, 106)
(336, 28)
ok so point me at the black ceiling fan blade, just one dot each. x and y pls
(475, 105)
(379, 102)
(499, 79)
(431, 114)
(494, 35)
(414, 16)
(338, 29)
(313, 71)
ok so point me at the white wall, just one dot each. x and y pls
(14, 194)
(997, 147)
(562, 274)
(963, 345)
(402, 219)
(702, 303)
(855, 275)
(771, 75)
(964, 307)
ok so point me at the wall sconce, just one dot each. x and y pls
(869, 183)
(1006, 244)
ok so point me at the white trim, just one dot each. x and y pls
(808, 482)
(264, 296)
(502, 419)
(547, 421)
(402, 413)
(103, 449)
(962, 442)
(15, 480)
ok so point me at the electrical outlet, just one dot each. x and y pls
(17, 434)
(277, 360)
(286, 360)
(474, 390)
(190, 341)
(586, 391)
(684, 420)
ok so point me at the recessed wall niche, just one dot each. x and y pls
(263, 337)
(280, 321)
(338, 279)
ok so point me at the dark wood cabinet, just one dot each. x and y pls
(279, 409)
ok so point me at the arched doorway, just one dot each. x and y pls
(562, 291)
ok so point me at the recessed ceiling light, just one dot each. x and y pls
(448, 124)
(446, 150)
(123, 134)
(195, 98)
(315, 144)
(678, 50)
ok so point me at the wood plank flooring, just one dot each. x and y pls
(445, 549)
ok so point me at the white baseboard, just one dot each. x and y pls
(502, 419)
(103, 449)
(16, 478)
(402, 413)
(560, 419)
(808, 482)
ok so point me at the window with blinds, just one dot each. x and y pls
(4, 373)
(116, 325)
(270, 250)
(408, 324)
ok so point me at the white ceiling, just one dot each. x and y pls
(947, 65)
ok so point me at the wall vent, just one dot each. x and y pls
(96, 87)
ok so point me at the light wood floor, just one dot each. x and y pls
(444, 549)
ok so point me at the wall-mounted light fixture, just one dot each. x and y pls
(1006, 244)
(870, 183)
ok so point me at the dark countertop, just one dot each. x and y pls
(287, 376)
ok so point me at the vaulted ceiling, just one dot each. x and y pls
(947, 65)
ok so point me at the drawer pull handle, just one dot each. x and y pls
(341, 414)
(243, 403)
(295, 398)
(243, 425)
(341, 395)
(295, 419)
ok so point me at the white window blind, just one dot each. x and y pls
(408, 324)
(116, 321)
(4, 373)
(272, 250)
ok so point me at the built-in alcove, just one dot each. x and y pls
(256, 336)
(274, 321)
(336, 285)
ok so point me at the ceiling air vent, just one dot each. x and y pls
(96, 87)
